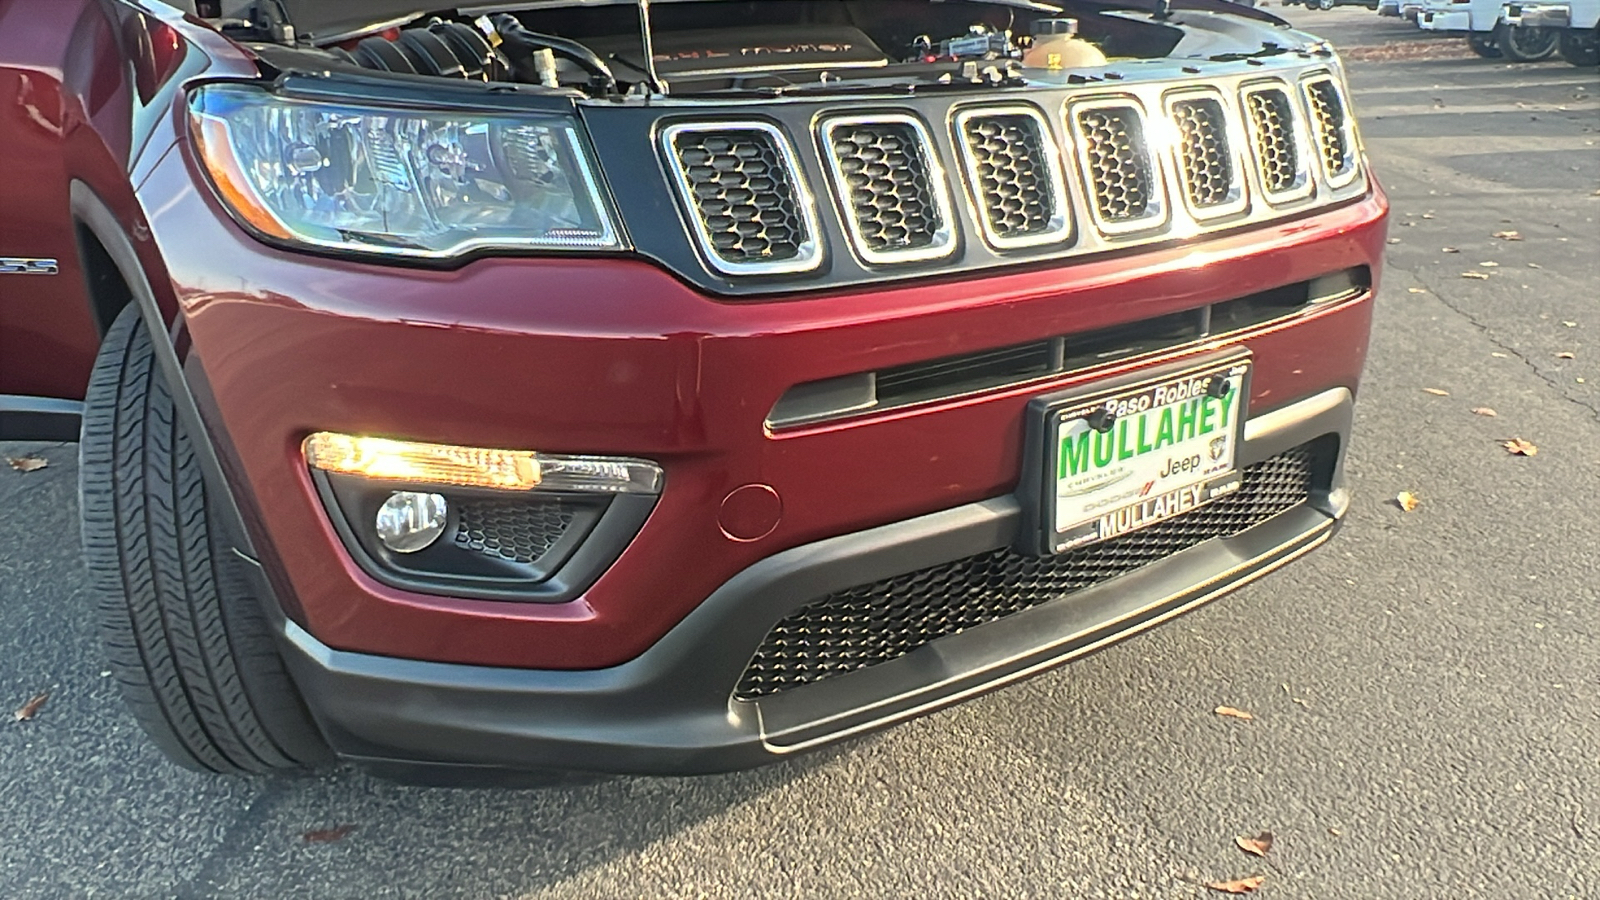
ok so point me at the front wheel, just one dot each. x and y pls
(1522, 44)
(1580, 49)
(1483, 44)
(186, 638)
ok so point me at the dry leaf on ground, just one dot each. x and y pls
(1484, 411)
(328, 835)
(1232, 713)
(1570, 324)
(1448, 250)
(1417, 290)
(1507, 235)
(31, 708)
(1238, 885)
(1407, 501)
(1535, 266)
(1255, 846)
(1566, 354)
(1489, 264)
(1394, 240)
(27, 463)
(1427, 215)
(1437, 392)
(1481, 276)
(1520, 447)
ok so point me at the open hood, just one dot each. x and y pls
(325, 19)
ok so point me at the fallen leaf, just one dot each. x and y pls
(1448, 250)
(1484, 411)
(1570, 324)
(1437, 392)
(1520, 447)
(1427, 215)
(27, 463)
(1489, 264)
(1501, 355)
(1535, 266)
(1507, 235)
(1255, 846)
(1417, 290)
(1394, 240)
(1232, 713)
(1481, 276)
(328, 835)
(1335, 832)
(31, 708)
(1407, 501)
(1566, 354)
(1238, 885)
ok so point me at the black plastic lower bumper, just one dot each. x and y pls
(672, 710)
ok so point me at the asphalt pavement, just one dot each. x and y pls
(1425, 690)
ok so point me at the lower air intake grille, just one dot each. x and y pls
(887, 183)
(875, 623)
(741, 190)
(1327, 109)
(1011, 169)
(513, 530)
(1118, 163)
(1272, 128)
(1203, 149)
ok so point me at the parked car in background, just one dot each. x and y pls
(1487, 32)
(1388, 7)
(666, 388)
(1577, 22)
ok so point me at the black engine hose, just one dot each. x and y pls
(519, 45)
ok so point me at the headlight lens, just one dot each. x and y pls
(399, 181)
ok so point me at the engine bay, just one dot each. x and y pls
(719, 47)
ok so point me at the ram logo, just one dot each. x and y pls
(10, 265)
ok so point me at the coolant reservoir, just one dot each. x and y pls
(1056, 45)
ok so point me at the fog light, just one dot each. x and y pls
(410, 520)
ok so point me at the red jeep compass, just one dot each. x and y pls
(666, 387)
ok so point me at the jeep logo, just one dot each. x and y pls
(19, 266)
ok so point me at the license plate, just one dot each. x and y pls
(1125, 459)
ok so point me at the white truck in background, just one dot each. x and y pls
(1576, 22)
(1488, 33)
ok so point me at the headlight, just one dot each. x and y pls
(393, 180)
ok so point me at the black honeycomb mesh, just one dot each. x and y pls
(1012, 166)
(515, 530)
(1328, 109)
(1118, 164)
(875, 623)
(888, 184)
(1272, 128)
(1203, 149)
(743, 194)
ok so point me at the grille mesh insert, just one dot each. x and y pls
(874, 623)
(743, 194)
(887, 185)
(1008, 154)
(1328, 109)
(1272, 128)
(513, 530)
(1118, 165)
(1203, 148)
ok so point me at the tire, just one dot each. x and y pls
(1580, 49)
(1525, 44)
(1325, 4)
(186, 639)
(1483, 44)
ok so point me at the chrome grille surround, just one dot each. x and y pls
(1009, 153)
(1334, 128)
(780, 175)
(1278, 142)
(1125, 182)
(1208, 153)
(888, 180)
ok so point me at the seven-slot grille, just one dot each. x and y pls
(1209, 181)
(740, 180)
(1014, 170)
(748, 204)
(1332, 123)
(891, 187)
(1118, 165)
(1271, 117)
(863, 626)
